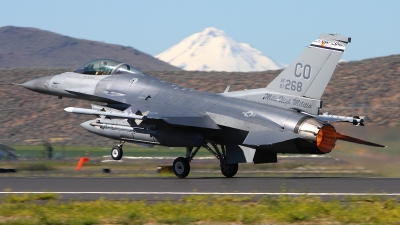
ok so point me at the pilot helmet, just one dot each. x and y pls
(102, 64)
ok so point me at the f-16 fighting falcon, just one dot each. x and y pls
(236, 127)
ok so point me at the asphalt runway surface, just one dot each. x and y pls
(174, 188)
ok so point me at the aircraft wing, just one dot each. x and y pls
(176, 116)
(155, 111)
(148, 112)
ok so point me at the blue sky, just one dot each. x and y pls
(279, 29)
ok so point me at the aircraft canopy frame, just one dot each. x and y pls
(107, 67)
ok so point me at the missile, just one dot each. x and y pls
(120, 127)
(109, 113)
(355, 120)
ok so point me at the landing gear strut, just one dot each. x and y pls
(228, 170)
(116, 151)
(181, 165)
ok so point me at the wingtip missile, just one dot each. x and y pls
(69, 109)
(326, 117)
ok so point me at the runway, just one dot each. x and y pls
(172, 188)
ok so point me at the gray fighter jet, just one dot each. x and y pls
(236, 127)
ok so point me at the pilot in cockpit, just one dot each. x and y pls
(102, 68)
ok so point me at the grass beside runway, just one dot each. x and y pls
(59, 151)
(51, 209)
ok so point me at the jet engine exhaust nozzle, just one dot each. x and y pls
(323, 135)
(326, 138)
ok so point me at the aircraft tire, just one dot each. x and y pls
(181, 167)
(229, 170)
(116, 153)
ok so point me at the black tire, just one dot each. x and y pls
(229, 170)
(181, 167)
(116, 153)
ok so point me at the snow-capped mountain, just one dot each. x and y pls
(212, 49)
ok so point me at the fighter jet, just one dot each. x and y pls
(236, 127)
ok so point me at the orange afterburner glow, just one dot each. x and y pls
(326, 138)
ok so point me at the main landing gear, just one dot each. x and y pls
(116, 151)
(181, 165)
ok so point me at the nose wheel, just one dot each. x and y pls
(116, 151)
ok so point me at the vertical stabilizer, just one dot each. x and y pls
(310, 73)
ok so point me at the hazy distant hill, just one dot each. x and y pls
(22, 47)
(368, 87)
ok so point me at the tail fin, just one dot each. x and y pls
(310, 73)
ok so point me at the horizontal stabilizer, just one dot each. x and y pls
(268, 137)
(356, 140)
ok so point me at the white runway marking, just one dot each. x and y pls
(205, 193)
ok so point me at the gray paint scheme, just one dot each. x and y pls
(252, 125)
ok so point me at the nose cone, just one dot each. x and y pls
(40, 85)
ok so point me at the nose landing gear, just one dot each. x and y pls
(116, 151)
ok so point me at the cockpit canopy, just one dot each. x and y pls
(106, 67)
